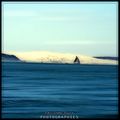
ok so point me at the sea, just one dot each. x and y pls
(39, 90)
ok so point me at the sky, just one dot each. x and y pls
(89, 28)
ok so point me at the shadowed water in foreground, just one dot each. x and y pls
(31, 89)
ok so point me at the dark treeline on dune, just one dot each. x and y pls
(107, 57)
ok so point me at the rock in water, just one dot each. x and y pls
(77, 61)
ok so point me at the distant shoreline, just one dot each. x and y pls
(56, 63)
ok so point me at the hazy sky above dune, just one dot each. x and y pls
(76, 27)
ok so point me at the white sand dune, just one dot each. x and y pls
(54, 57)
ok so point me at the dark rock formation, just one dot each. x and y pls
(77, 61)
(10, 58)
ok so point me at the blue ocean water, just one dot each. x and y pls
(30, 90)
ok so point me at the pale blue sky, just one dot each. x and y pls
(77, 27)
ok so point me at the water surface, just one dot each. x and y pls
(31, 89)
